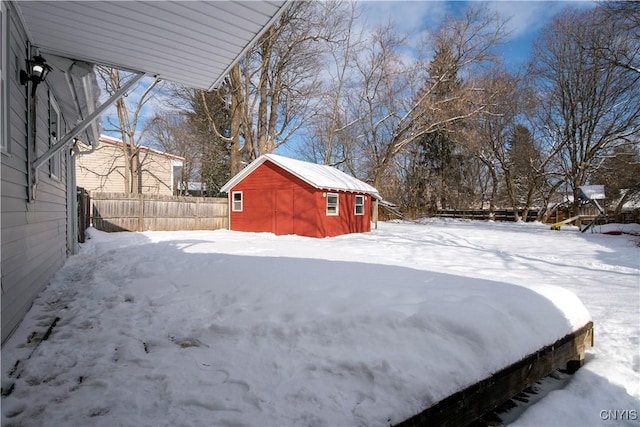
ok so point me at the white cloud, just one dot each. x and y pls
(416, 19)
(412, 20)
(528, 17)
(409, 17)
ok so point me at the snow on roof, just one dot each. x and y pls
(319, 176)
(632, 202)
(592, 192)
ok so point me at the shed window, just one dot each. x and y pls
(237, 201)
(54, 134)
(359, 205)
(332, 204)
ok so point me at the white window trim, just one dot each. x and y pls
(355, 209)
(337, 212)
(233, 201)
(4, 81)
(55, 163)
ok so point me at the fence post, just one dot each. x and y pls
(141, 213)
(198, 213)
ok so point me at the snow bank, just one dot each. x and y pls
(616, 229)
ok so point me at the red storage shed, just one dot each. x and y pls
(280, 195)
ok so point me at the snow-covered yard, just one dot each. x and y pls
(227, 329)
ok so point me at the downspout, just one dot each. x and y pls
(72, 204)
(375, 211)
(31, 132)
(72, 190)
(82, 125)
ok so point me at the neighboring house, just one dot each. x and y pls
(591, 192)
(103, 169)
(286, 196)
(194, 188)
(41, 120)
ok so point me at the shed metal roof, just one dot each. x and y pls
(194, 43)
(319, 176)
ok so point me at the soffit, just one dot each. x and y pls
(193, 43)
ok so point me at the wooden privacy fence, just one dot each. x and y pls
(485, 214)
(143, 212)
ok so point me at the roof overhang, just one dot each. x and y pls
(194, 43)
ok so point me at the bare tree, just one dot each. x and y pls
(527, 163)
(505, 145)
(171, 131)
(620, 21)
(127, 125)
(327, 131)
(397, 110)
(267, 94)
(590, 103)
(619, 172)
(381, 92)
(492, 134)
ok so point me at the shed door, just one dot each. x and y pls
(283, 215)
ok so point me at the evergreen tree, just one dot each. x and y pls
(441, 168)
(209, 109)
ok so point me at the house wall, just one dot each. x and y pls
(103, 171)
(276, 201)
(33, 234)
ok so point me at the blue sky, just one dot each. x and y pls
(415, 18)
(525, 19)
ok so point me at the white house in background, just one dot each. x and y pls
(42, 120)
(193, 188)
(103, 169)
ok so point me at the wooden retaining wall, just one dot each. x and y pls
(144, 212)
(466, 406)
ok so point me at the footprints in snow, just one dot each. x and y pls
(187, 342)
(223, 393)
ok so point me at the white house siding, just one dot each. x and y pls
(33, 234)
(103, 170)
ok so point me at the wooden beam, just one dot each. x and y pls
(466, 406)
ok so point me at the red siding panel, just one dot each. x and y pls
(278, 202)
(346, 221)
(284, 212)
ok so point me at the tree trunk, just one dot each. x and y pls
(235, 150)
(511, 192)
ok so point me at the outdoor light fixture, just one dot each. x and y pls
(37, 70)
